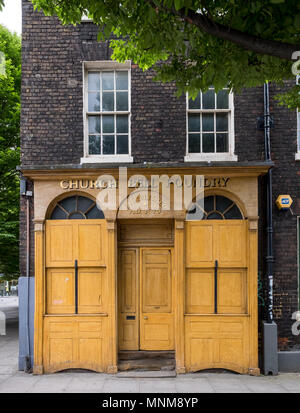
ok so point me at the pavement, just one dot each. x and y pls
(81, 381)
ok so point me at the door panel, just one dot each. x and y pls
(199, 291)
(232, 291)
(200, 244)
(91, 286)
(231, 242)
(156, 318)
(91, 244)
(61, 244)
(60, 291)
(128, 300)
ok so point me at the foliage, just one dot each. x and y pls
(196, 43)
(10, 83)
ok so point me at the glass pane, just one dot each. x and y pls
(234, 213)
(108, 144)
(107, 80)
(108, 101)
(208, 100)
(94, 145)
(195, 104)
(122, 100)
(194, 122)
(122, 80)
(94, 81)
(58, 213)
(76, 215)
(222, 99)
(214, 215)
(95, 213)
(222, 122)
(94, 124)
(209, 204)
(94, 102)
(207, 122)
(208, 144)
(83, 203)
(122, 144)
(223, 203)
(69, 204)
(108, 124)
(222, 142)
(194, 143)
(122, 123)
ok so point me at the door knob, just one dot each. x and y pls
(145, 317)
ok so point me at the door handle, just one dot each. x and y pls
(145, 317)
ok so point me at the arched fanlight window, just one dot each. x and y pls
(217, 207)
(76, 207)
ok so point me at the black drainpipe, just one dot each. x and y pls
(269, 256)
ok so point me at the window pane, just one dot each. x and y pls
(108, 144)
(195, 104)
(94, 124)
(107, 80)
(122, 123)
(208, 142)
(94, 81)
(95, 213)
(83, 203)
(194, 123)
(122, 100)
(234, 213)
(108, 124)
(222, 99)
(122, 144)
(94, 144)
(94, 102)
(222, 122)
(209, 203)
(222, 142)
(207, 122)
(69, 204)
(58, 213)
(223, 203)
(108, 102)
(208, 100)
(194, 143)
(122, 80)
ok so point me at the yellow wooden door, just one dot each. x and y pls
(128, 299)
(156, 299)
(76, 294)
(217, 291)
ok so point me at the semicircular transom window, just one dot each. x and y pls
(219, 207)
(77, 207)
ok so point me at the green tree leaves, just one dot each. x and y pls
(10, 83)
(196, 43)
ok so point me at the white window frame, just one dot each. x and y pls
(297, 154)
(105, 65)
(210, 157)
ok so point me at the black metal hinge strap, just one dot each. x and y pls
(76, 287)
(216, 287)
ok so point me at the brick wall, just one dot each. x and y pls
(52, 133)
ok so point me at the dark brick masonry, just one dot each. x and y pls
(52, 134)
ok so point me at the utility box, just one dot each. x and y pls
(270, 350)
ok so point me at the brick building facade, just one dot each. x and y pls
(52, 139)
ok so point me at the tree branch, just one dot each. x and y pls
(245, 40)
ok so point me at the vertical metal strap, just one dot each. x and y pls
(216, 287)
(76, 287)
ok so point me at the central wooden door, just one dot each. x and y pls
(145, 287)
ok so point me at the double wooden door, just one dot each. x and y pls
(145, 299)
